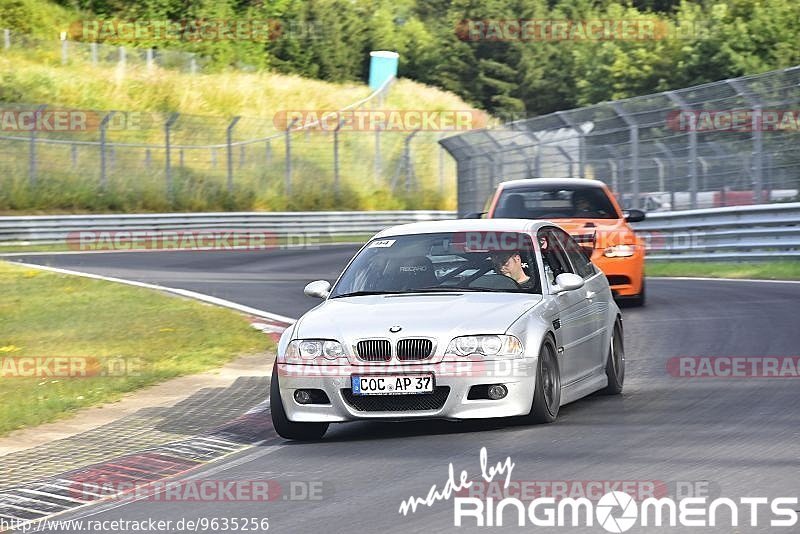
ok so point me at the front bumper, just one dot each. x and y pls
(625, 275)
(517, 375)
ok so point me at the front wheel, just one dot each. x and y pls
(547, 392)
(615, 363)
(283, 426)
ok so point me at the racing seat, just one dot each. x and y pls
(410, 273)
(513, 207)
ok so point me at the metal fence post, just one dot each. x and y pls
(407, 156)
(32, 153)
(377, 164)
(692, 162)
(268, 153)
(6, 38)
(122, 57)
(566, 119)
(103, 133)
(671, 157)
(757, 167)
(288, 171)
(93, 52)
(149, 58)
(168, 167)
(228, 141)
(634, 140)
(73, 153)
(336, 156)
(441, 167)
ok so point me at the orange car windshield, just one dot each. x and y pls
(555, 203)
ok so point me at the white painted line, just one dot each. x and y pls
(214, 446)
(182, 292)
(51, 495)
(724, 279)
(71, 485)
(229, 444)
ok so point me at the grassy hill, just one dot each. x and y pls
(67, 176)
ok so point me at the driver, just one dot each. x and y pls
(583, 204)
(509, 263)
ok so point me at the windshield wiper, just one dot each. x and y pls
(362, 293)
(447, 289)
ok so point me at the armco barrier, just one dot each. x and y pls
(769, 231)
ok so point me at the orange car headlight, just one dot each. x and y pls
(620, 251)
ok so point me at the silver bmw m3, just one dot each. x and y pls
(455, 320)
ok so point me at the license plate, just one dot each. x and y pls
(391, 384)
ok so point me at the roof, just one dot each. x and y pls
(465, 225)
(552, 182)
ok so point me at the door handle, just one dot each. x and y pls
(590, 295)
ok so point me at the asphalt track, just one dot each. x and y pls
(735, 437)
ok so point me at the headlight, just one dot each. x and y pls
(502, 345)
(619, 251)
(304, 350)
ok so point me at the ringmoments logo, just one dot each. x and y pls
(615, 511)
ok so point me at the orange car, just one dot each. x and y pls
(589, 212)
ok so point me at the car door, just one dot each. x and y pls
(574, 320)
(596, 294)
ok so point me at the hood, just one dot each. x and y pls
(441, 315)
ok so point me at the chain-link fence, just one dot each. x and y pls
(164, 161)
(65, 52)
(726, 143)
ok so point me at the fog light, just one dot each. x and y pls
(302, 396)
(497, 391)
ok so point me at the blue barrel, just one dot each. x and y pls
(382, 66)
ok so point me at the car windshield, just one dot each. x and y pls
(543, 202)
(442, 263)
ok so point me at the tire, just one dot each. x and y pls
(615, 362)
(638, 300)
(547, 392)
(283, 426)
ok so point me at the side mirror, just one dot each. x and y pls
(475, 215)
(633, 216)
(318, 289)
(568, 282)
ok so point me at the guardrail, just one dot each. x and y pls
(50, 229)
(770, 231)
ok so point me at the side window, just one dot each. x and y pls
(553, 255)
(583, 266)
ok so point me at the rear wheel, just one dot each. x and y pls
(615, 363)
(547, 392)
(283, 426)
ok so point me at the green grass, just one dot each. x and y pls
(158, 336)
(768, 270)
